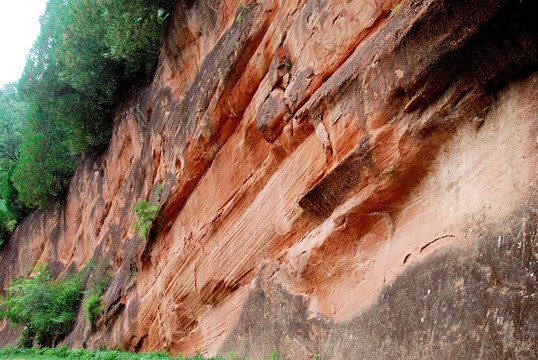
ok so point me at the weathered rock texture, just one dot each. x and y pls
(334, 178)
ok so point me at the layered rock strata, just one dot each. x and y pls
(348, 179)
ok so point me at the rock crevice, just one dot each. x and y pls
(332, 178)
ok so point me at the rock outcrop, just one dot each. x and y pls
(349, 179)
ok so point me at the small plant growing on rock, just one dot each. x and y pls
(395, 10)
(159, 189)
(243, 7)
(93, 307)
(146, 214)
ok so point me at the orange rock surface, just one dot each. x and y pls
(347, 179)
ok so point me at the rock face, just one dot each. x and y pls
(353, 179)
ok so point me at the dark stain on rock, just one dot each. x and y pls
(458, 303)
(341, 182)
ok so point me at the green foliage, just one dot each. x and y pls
(395, 10)
(46, 163)
(159, 189)
(93, 307)
(83, 354)
(146, 214)
(242, 7)
(87, 54)
(10, 195)
(134, 30)
(92, 304)
(46, 307)
(5, 223)
(12, 117)
(65, 353)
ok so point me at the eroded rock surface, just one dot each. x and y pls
(348, 179)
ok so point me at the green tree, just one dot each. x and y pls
(87, 54)
(6, 223)
(12, 118)
(46, 307)
(46, 163)
(14, 205)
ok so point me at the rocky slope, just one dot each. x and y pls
(350, 179)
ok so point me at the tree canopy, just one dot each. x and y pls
(87, 54)
(12, 119)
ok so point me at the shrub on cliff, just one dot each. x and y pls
(87, 54)
(46, 307)
(92, 305)
(146, 214)
(93, 308)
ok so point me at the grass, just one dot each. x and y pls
(65, 353)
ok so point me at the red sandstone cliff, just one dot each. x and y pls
(338, 179)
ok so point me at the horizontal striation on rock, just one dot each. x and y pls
(332, 177)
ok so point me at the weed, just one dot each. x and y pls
(146, 214)
(159, 189)
(242, 7)
(395, 10)
(93, 307)
(288, 66)
(101, 282)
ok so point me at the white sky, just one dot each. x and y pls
(19, 27)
